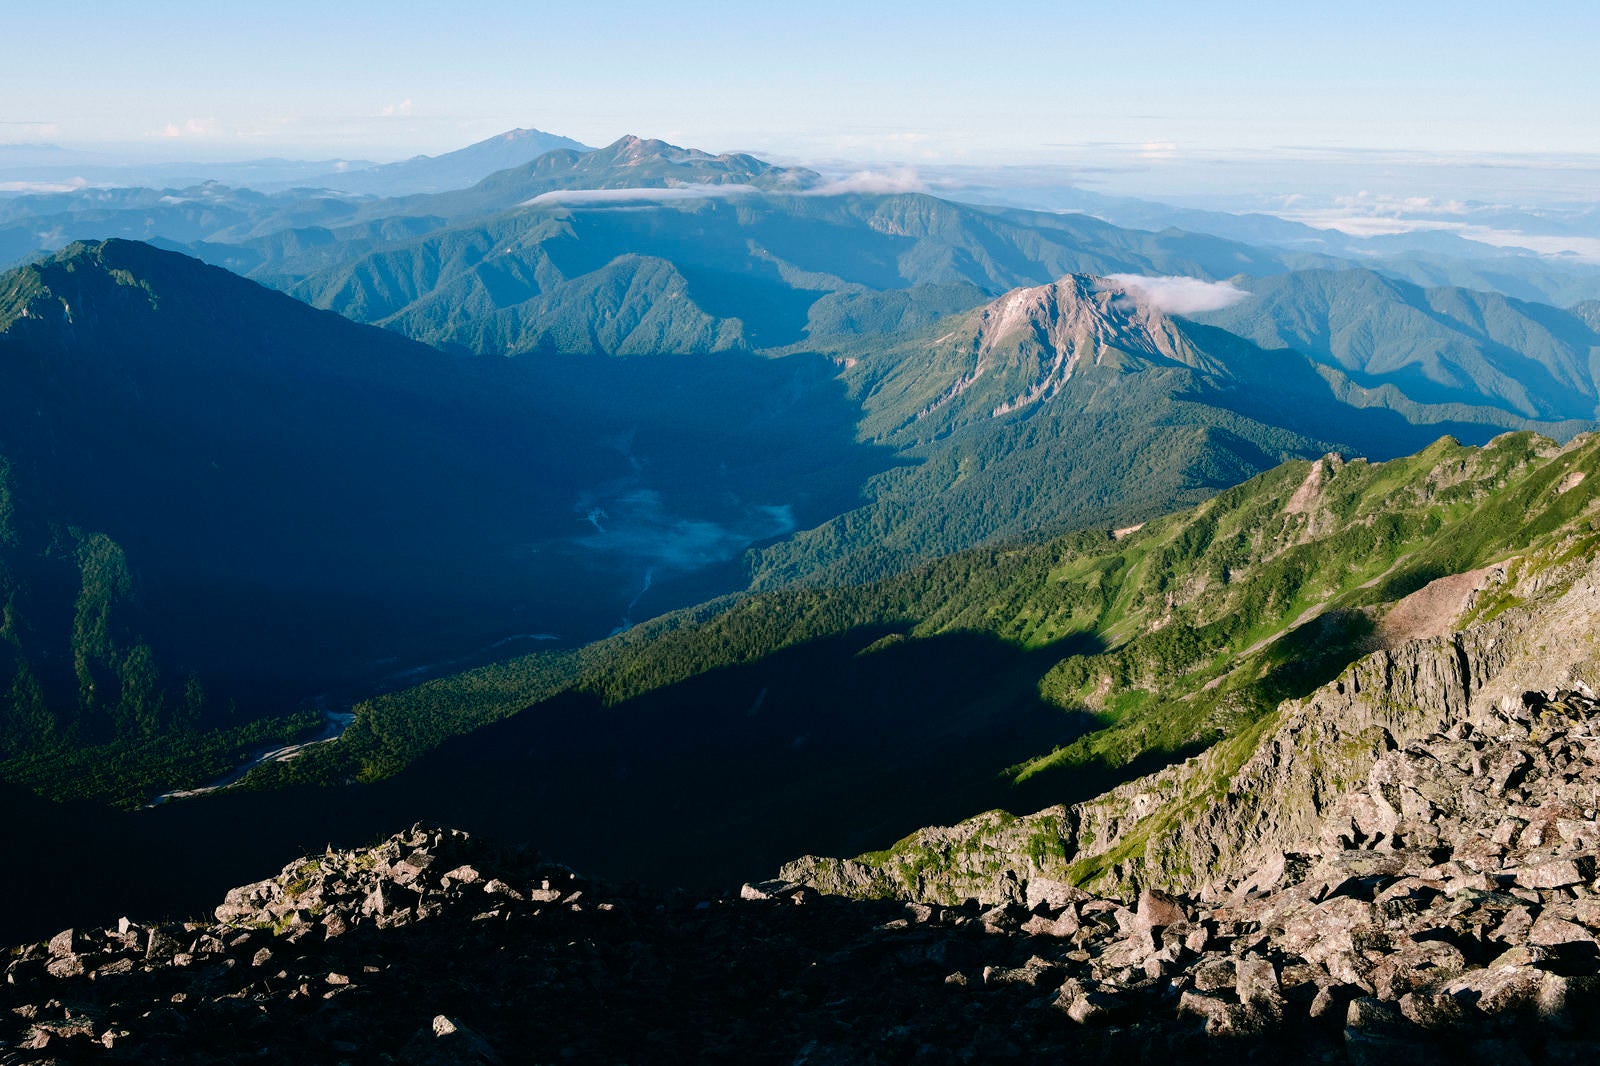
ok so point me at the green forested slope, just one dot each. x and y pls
(1108, 655)
(1080, 403)
(87, 706)
(764, 260)
(1437, 344)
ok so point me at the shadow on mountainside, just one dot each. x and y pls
(837, 746)
(306, 502)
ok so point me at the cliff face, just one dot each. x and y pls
(1203, 825)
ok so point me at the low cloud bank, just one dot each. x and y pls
(592, 197)
(880, 182)
(638, 526)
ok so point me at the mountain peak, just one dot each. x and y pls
(455, 170)
(634, 149)
(1079, 311)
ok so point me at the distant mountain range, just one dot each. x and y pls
(504, 283)
(1440, 345)
(690, 512)
(284, 233)
(1082, 403)
(1427, 256)
(237, 500)
(40, 167)
(678, 515)
(452, 170)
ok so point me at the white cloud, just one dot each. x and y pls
(1364, 225)
(43, 186)
(1587, 248)
(27, 131)
(191, 127)
(639, 526)
(1179, 295)
(400, 110)
(895, 180)
(1158, 150)
(601, 197)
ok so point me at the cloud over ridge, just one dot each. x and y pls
(1179, 295)
(637, 195)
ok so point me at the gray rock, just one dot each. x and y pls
(1213, 972)
(65, 966)
(1158, 909)
(497, 887)
(1557, 872)
(64, 944)
(1549, 930)
(1257, 985)
(1056, 895)
(161, 945)
(1223, 1017)
(446, 1042)
(464, 875)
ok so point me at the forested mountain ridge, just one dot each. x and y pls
(298, 502)
(1081, 402)
(256, 459)
(283, 236)
(1500, 654)
(1438, 345)
(769, 260)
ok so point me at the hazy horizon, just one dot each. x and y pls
(1367, 120)
(925, 82)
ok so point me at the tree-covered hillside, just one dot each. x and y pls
(834, 720)
(1437, 345)
(305, 504)
(493, 285)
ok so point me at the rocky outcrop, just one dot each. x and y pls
(1445, 902)
(1446, 906)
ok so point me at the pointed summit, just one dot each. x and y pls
(1020, 350)
(459, 169)
(1080, 314)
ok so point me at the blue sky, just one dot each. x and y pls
(921, 82)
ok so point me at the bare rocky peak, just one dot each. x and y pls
(632, 149)
(1080, 314)
(1022, 349)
